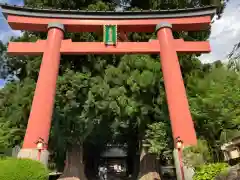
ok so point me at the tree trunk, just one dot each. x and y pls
(149, 166)
(74, 166)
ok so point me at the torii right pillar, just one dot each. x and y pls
(178, 107)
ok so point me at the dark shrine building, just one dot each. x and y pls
(115, 160)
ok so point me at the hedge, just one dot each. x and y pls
(210, 171)
(22, 169)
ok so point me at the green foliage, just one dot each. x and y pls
(5, 152)
(195, 156)
(126, 94)
(172, 4)
(22, 169)
(15, 103)
(156, 138)
(214, 102)
(3, 61)
(210, 171)
(100, 6)
(70, 99)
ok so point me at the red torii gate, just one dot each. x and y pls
(56, 22)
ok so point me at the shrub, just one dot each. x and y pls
(195, 156)
(210, 171)
(22, 169)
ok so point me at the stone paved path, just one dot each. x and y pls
(111, 177)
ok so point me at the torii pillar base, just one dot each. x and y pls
(34, 154)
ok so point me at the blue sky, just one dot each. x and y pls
(224, 32)
(5, 30)
(1, 83)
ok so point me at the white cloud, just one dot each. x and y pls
(225, 33)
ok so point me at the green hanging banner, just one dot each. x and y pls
(110, 34)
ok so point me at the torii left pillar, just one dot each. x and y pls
(39, 122)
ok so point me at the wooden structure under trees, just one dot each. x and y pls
(231, 151)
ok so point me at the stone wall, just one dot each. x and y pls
(232, 174)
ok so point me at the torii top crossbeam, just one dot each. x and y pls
(33, 19)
